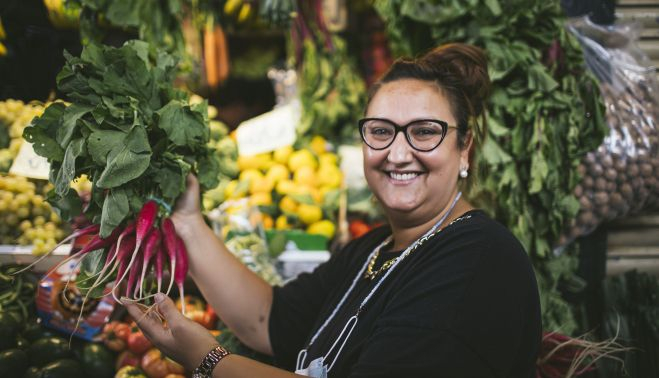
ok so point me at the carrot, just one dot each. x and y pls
(222, 54)
(210, 61)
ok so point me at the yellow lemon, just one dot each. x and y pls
(287, 205)
(261, 199)
(323, 227)
(281, 223)
(253, 161)
(301, 190)
(318, 145)
(309, 213)
(230, 188)
(261, 185)
(317, 195)
(301, 158)
(305, 175)
(328, 158)
(331, 176)
(285, 186)
(250, 175)
(277, 172)
(268, 222)
(282, 154)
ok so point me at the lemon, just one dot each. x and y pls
(330, 176)
(268, 222)
(309, 213)
(328, 158)
(323, 227)
(285, 186)
(261, 199)
(305, 175)
(287, 205)
(230, 188)
(302, 190)
(317, 195)
(253, 161)
(250, 175)
(318, 145)
(261, 185)
(277, 172)
(281, 223)
(282, 154)
(301, 158)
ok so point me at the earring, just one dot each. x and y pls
(464, 173)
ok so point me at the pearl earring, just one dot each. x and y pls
(464, 173)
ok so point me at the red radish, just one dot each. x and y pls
(181, 269)
(151, 247)
(145, 220)
(169, 238)
(122, 264)
(160, 257)
(133, 275)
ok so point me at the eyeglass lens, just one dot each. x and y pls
(423, 135)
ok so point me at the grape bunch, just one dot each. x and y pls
(25, 217)
(15, 115)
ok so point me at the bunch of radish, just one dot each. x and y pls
(146, 245)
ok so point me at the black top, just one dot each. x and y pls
(464, 304)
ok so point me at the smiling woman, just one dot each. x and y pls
(442, 290)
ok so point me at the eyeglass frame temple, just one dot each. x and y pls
(403, 128)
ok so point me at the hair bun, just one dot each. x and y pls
(469, 63)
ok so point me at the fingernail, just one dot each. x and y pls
(160, 297)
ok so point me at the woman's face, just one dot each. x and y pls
(407, 182)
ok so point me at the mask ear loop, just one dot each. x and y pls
(301, 357)
(352, 322)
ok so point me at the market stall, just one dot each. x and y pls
(260, 100)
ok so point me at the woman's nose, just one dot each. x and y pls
(400, 150)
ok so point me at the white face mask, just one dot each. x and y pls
(316, 369)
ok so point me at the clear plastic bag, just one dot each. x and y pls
(620, 178)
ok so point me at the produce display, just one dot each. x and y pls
(621, 177)
(25, 216)
(136, 138)
(293, 188)
(15, 115)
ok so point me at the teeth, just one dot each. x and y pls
(402, 176)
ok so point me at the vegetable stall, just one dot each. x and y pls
(259, 99)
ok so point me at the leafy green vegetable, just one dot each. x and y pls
(545, 114)
(128, 130)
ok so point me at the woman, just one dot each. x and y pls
(442, 291)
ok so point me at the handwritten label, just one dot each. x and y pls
(269, 131)
(29, 164)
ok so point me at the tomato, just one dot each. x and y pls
(156, 365)
(358, 228)
(127, 358)
(115, 335)
(137, 342)
(192, 303)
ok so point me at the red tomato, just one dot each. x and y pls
(358, 228)
(137, 342)
(156, 365)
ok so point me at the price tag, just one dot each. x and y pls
(269, 131)
(29, 164)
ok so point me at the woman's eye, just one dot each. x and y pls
(424, 131)
(380, 131)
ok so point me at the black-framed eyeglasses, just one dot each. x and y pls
(421, 134)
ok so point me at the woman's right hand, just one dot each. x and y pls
(187, 214)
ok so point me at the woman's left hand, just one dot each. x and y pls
(181, 339)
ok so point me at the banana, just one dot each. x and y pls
(231, 6)
(245, 12)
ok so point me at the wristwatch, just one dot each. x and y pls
(205, 369)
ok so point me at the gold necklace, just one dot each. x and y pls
(369, 269)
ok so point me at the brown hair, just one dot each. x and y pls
(460, 70)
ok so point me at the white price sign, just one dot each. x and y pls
(29, 164)
(268, 131)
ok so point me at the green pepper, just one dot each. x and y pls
(13, 363)
(47, 350)
(97, 361)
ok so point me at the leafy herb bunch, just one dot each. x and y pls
(128, 129)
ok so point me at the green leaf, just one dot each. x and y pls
(208, 169)
(69, 122)
(183, 126)
(493, 6)
(494, 154)
(127, 161)
(539, 171)
(171, 179)
(115, 210)
(91, 264)
(100, 143)
(67, 206)
(41, 133)
(67, 171)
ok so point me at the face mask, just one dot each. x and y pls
(316, 369)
